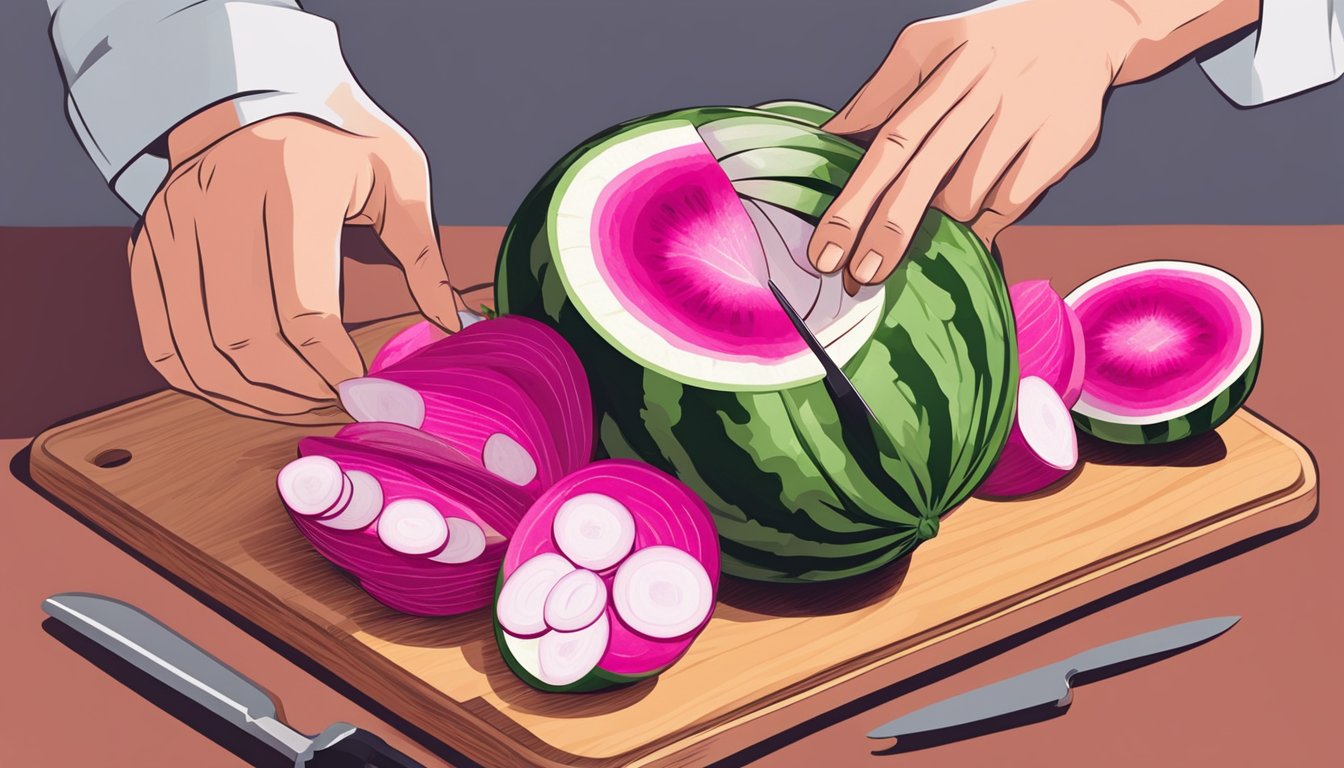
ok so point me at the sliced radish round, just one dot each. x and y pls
(466, 542)
(576, 600)
(662, 592)
(370, 398)
(363, 506)
(1042, 445)
(594, 530)
(522, 600)
(566, 657)
(412, 527)
(312, 485)
(504, 457)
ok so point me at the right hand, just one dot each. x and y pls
(236, 269)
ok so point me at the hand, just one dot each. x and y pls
(236, 271)
(981, 112)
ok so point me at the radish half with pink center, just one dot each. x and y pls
(1049, 338)
(1042, 446)
(608, 579)
(1173, 350)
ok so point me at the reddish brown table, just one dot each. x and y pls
(1266, 693)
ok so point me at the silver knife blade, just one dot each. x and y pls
(1049, 684)
(175, 661)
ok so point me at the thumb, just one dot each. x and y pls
(407, 229)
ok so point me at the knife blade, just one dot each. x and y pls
(849, 404)
(1050, 684)
(153, 648)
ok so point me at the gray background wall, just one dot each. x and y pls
(496, 90)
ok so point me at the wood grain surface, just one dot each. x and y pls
(192, 489)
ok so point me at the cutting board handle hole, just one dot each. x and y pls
(113, 457)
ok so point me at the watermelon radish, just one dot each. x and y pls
(1042, 446)
(1049, 338)
(608, 579)
(649, 248)
(1173, 350)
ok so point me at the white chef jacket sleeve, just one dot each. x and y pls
(134, 69)
(1296, 46)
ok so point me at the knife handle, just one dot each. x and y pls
(358, 750)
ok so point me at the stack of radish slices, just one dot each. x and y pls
(470, 472)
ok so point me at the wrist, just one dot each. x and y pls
(1163, 32)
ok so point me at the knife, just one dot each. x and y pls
(175, 661)
(849, 404)
(1049, 684)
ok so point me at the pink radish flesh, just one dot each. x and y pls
(412, 527)
(312, 485)
(1042, 446)
(466, 542)
(373, 399)
(407, 342)
(576, 601)
(565, 657)
(1049, 338)
(366, 501)
(504, 457)
(662, 592)
(593, 530)
(522, 600)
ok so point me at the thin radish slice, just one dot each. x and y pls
(373, 399)
(522, 600)
(594, 530)
(566, 657)
(506, 458)
(312, 485)
(412, 527)
(366, 501)
(576, 601)
(1042, 446)
(662, 592)
(466, 542)
(347, 490)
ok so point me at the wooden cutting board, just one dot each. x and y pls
(191, 488)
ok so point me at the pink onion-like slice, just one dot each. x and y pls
(366, 501)
(412, 527)
(370, 398)
(521, 604)
(594, 530)
(506, 458)
(576, 601)
(1042, 446)
(405, 343)
(566, 657)
(466, 542)
(313, 486)
(662, 592)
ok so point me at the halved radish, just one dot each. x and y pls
(1049, 338)
(1042, 446)
(616, 552)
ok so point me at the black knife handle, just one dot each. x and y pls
(358, 750)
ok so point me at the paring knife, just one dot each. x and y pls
(1050, 684)
(173, 660)
(849, 404)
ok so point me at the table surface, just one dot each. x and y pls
(1266, 692)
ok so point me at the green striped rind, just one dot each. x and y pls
(793, 498)
(1205, 418)
(806, 111)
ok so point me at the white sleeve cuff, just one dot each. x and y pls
(152, 73)
(1297, 46)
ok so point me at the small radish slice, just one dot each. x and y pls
(466, 542)
(1042, 446)
(506, 458)
(373, 399)
(312, 485)
(594, 530)
(366, 501)
(662, 592)
(566, 657)
(522, 600)
(347, 490)
(576, 600)
(412, 527)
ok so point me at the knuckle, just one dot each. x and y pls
(892, 136)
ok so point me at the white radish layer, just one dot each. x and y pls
(366, 501)
(594, 530)
(576, 600)
(506, 458)
(466, 542)
(373, 399)
(347, 490)
(566, 657)
(312, 485)
(412, 527)
(521, 604)
(1045, 423)
(662, 592)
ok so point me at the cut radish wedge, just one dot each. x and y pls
(566, 657)
(466, 542)
(504, 457)
(312, 485)
(374, 399)
(662, 592)
(412, 527)
(363, 506)
(521, 604)
(593, 530)
(1042, 446)
(576, 601)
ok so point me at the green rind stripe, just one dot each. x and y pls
(806, 111)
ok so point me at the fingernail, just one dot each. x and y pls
(868, 266)
(830, 258)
